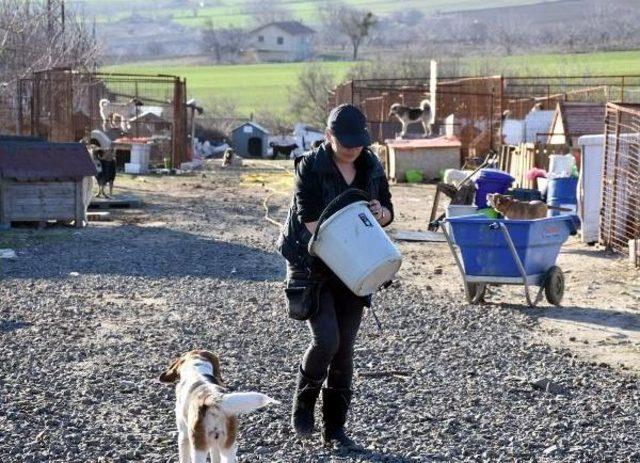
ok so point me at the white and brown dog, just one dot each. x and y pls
(407, 115)
(118, 115)
(205, 412)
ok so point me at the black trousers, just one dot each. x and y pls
(333, 330)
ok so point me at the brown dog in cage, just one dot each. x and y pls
(407, 115)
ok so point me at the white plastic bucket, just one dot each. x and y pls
(561, 165)
(457, 210)
(543, 184)
(356, 248)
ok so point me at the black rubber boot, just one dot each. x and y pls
(304, 403)
(335, 405)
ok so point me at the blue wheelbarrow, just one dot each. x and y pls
(510, 252)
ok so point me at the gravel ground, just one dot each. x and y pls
(87, 324)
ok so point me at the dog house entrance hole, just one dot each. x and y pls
(255, 147)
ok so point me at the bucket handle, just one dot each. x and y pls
(345, 198)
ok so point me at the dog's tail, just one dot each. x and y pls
(244, 402)
(103, 102)
(425, 105)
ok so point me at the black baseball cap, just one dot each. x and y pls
(349, 126)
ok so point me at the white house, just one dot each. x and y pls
(283, 41)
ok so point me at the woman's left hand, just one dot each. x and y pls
(376, 209)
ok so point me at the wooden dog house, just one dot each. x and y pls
(430, 156)
(42, 181)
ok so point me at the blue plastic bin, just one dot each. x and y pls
(562, 191)
(491, 181)
(485, 251)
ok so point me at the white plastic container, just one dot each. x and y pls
(356, 248)
(561, 165)
(543, 184)
(130, 168)
(140, 154)
(457, 210)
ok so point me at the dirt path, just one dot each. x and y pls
(600, 316)
(89, 318)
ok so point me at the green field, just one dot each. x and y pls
(606, 63)
(267, 86)
(240, 12)
(253, 87)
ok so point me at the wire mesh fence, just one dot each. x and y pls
(478, 103)
(620, 213)
(64, 105)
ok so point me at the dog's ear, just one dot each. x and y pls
(213, 359)
(172, 374)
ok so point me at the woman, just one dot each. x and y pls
(344, 161)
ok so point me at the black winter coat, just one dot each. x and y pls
(317, 182)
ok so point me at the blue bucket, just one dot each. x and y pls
(491, 181)
(485, 251)
(562, 192)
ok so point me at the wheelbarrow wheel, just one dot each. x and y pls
(554, 285)
(476, 292)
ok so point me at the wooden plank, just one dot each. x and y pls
(98, 216)
(122, 202)
(5, 220)
(42, 212)
(79, 206)
(41, 202)
(42, 188)
(26, 217)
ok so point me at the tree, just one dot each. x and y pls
(222, 44)
(267, 11)
(41, 35)
(308, 100)
(355, 24)
(508, 33)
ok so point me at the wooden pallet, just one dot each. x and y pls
(120, 202)
(98, 216)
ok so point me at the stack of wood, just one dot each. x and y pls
(518, 160)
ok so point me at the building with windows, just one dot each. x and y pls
(283, 41)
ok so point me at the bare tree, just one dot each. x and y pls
(267, 11)
(278, 122)
(308, 100)
(355, 24)
(221, 114)
(508, 33)
(39, 35)
(222, 43)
